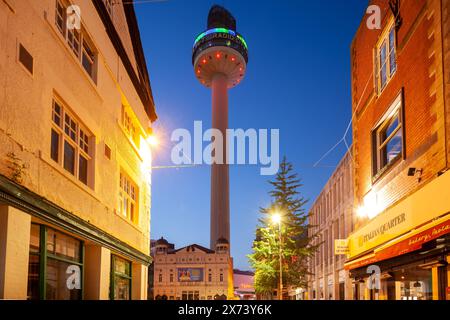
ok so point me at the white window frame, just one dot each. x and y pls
(129, 127)
(77, 40)
(394, 111)
(78, 137)
(384, 41)
(128, 198)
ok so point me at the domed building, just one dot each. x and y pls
(192, 272)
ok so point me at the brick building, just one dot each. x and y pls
(401, 140)
(75, 168)
(331, 217)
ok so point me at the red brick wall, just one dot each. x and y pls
(419, 73)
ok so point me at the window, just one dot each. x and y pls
(171, 277)
(160, 279)
(209, 277)
(69, 144)
(88, 58)
(109, 6)
(221, 277)
(60, 17)
(128, 198)
(25, 58)
(388, 139)
(129, 127)
(120, 288)
(77, 40)
(55, 265)
(386, 58)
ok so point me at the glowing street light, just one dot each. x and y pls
(276, 219)
(152, 140)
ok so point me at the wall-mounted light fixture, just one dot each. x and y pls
(414, 172)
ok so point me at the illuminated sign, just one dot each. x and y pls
(190, 274)
(341, 246)
(221, 33)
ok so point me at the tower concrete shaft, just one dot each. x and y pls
(220, 183)
(219, 57)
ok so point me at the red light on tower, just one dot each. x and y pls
(218, 55)
(233, 59)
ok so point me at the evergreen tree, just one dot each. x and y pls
(296, 246)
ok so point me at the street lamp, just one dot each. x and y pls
(152, 140)
(276, 219)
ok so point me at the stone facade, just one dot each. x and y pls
(331, 218)
(192, 272)
(75, 111)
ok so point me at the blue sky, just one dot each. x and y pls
(298, 81)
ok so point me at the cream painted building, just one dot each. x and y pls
(76, 110)
(331, 218)
(192, 272)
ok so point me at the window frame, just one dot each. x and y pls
(127, 183)
(395, 111)
(44, 255)
(64, 131)
(109, 5)
(384, 41)
(83, 40)
(113, 274)
(129, 127)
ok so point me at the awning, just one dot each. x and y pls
(407, 243)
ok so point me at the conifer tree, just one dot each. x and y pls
(296, 246)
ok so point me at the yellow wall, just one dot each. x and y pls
(25, 115)
(417, 209)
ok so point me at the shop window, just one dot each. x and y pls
(120, 288)
(55, 265)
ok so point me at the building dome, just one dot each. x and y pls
(162, 242)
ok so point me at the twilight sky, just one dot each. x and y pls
(298, 81)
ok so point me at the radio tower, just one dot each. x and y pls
(220, 57)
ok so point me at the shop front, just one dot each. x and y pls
(404, 253)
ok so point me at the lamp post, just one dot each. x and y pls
(276, 219)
